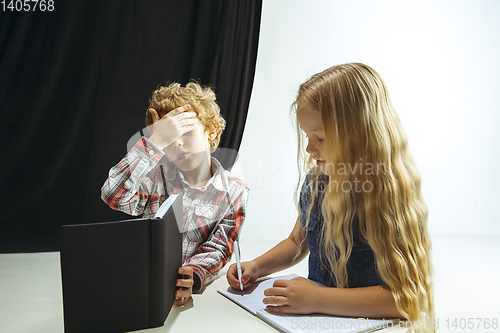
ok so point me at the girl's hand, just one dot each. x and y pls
(186, 285)
(167, 129)
(249, 273)
(292, 296)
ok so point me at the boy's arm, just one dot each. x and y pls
(214, 253)
(130, 183)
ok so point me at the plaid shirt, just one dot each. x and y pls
(213, 214)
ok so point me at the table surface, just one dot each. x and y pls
(31, 293)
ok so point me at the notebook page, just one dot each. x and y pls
(166, 205)
(320, 323)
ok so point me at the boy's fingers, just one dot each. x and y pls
(154, 115)
(184, 119)
(185, 283)
(188, 121)
(182, 293)
(181, 301)
(186, 271)
(177, 111)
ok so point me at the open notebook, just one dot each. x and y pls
(251, 300)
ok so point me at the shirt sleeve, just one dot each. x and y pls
(130, 183)
(215, 252)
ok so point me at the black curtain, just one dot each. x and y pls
(74, 87)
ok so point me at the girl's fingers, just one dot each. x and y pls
(231, 271)
(278, 308)
(245, 276)
(278, 300)
(281, 283)
(232, 277)
(275, 291)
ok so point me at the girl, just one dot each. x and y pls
(362, 218)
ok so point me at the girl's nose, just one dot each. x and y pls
(310, 148)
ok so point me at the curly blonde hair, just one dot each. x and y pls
(201, 99)
(360, 124)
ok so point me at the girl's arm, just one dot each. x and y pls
(302, 296)
(286, 254)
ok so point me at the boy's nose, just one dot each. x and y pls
(177, 143)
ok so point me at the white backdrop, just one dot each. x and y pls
(440, 60)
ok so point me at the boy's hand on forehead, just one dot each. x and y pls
(167, 129)
(172, 113)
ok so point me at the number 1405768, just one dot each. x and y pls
(27, 5)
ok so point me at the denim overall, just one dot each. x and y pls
(361, 269)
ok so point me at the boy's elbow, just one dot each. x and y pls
(107, 197)
(128, 207)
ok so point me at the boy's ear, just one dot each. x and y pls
(212, 134)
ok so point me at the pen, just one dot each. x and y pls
(238, 262)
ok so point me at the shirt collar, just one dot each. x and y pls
(218, 180)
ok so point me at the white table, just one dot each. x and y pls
(31, 298)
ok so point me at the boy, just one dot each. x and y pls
(186, 126)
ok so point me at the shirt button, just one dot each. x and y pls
(151, 152)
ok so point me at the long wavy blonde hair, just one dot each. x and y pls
(366, 146)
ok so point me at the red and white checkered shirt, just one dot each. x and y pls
(213, 214)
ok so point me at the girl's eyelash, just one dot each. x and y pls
(319, 139)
